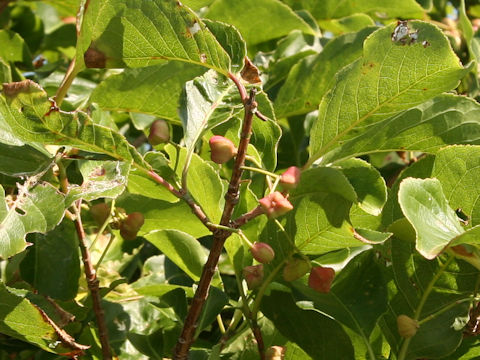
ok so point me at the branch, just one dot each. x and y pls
(219, 235)
(93, 286)
(242, 220)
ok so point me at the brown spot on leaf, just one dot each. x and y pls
(203, 58)
(424, 89)
(99, 171)
(94, 58)
(250, 72)
(53, 107)
(14, 88)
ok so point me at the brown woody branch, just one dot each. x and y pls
(219, 235)
(93, 285)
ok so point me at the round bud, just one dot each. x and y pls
(275, 204)
(222, 149)
(275, 353)
(100, 213)
(407, 327)
(290, 178)
(159, 132)
(262, 252)
(321, 278)
(131, 225)
(295, 269)
(253, 275)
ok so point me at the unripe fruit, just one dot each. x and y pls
(222, 149)
(262, 252)
(100, 213)
(253, 275)
(159, 132)
(290, 178)
(407, 327)
(321, 278)
(275, 204)
(295, 269)
(130, 226)
(275, 353)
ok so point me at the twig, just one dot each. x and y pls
(92, 283)
(242, 220)
(219, 235)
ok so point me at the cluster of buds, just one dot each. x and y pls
(129, 224)
(275, 204)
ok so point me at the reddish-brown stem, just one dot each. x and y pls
(258, 337)
(93, 285)
(219, 235)
(242, 220)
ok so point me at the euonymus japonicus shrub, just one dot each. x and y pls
(256, 179)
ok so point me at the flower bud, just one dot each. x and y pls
(407, 327)
(290, 178)
(100, 213)
(295, 269)
(130, 226)
(262, 252)
(275, 204)
(159, 132)
(275, 353)
(222, 149)
(253, 275)
(321, 278)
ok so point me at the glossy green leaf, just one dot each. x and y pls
(443, 120)
(38, 209)
(426, 208)
(101, 179)
(389, 78)
(458, 169)
(369, 185)
(52, 264)
(347, 24)
(310, 78)
(28, 112)
(14, 48)
(183, 249)
(318, 335)
(5, 72)
(20, 319)
(276, 18)
(138, 33)
(214, 304)
(153, 90)
(22, 160)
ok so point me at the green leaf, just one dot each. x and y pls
(458, 169)
(35, 210)
(310, 78)
(163, 215)
(31, 118)
(388, 79)
(101, 179)
(153, 90)
(14, 48)
(22, 160)
(443, 120)
(138, 33)
(203, 182)
(276, 18)
(20, 319)
(329, 9)
(5, 72)
(318, 335)
(183, 249)
(52, 264)
(214, 304)
(347, 24)
(369, 185)
(426, 208)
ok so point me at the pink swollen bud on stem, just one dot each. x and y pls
(130, 226)
(275, 204)
(290, 178)
(275, 353)
(321, 278)
(159, 132)
(253, 275)
(222, 149)
(407, 327)
(295, 269)
(262, 252)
